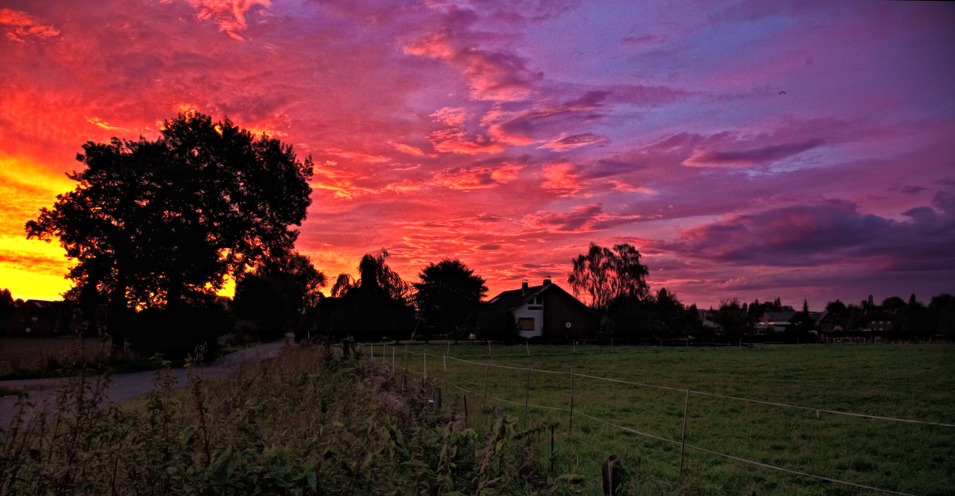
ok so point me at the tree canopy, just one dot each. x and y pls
(151, 223)
(447, 293)
(278, 294)
(607, 275)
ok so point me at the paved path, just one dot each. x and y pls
(133, 385)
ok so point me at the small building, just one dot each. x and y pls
(38, 318)
(546, 312)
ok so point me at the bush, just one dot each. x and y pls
(176, 333)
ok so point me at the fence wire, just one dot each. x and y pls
(651, 436)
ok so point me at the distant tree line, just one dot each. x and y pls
(155, 229)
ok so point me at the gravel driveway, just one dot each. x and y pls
(132, 385)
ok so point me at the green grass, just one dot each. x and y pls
(901, 381)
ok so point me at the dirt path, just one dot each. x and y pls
(132, 385)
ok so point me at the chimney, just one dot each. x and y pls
(523, 287)
(547, 282)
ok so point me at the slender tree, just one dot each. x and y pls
(607, 275)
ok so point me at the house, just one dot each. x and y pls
(545, 311)
(777, 321)
(823, 321)
(38, 318)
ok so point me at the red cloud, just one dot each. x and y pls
(20, 25)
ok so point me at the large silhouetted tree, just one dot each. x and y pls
(607, 275)
(448, 292)
(152, 224)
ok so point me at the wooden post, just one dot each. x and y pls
(571, 426)
(686, 407)
(487, 369)
(552, 447)
(528, 346)
(437, 399)
(527, 396)
(445, 358)
(466, 411)
(610, 475)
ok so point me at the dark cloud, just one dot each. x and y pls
(832, 232)
(746, 158)
(575, 141)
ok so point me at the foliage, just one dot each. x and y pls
(448, 292)
(733, 320)
(153, 223)
(377, 305)
(311, 422)
(608, 275)
(277, 296)
(653, 318)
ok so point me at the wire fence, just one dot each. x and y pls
(573, 411)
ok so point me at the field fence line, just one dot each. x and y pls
(671, 441)
(692, 391)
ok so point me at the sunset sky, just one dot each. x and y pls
(751, 149)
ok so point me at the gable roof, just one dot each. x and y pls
(511, 300)
(785, 316)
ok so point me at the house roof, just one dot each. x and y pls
(510, 300)
(779, 316)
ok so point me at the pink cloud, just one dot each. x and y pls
(20, 26)
(560, 178)
(492, 76)
(455, 138)
(408, 149)
(230, 15)
(581, 219)
(478, 177)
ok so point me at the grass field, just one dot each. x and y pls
(914, 382)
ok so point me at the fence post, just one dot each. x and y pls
(527, 395)
(686, 407)
(437, 399)
(466, 425)
(487, 369)
(445, 358)
(610, 475)
(570, 428)
(552, 447)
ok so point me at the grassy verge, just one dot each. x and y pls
(312, 421)
(905, 381)
(36, 358)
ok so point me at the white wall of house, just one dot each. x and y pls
(533, 309)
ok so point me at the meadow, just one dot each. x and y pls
(911, 382)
